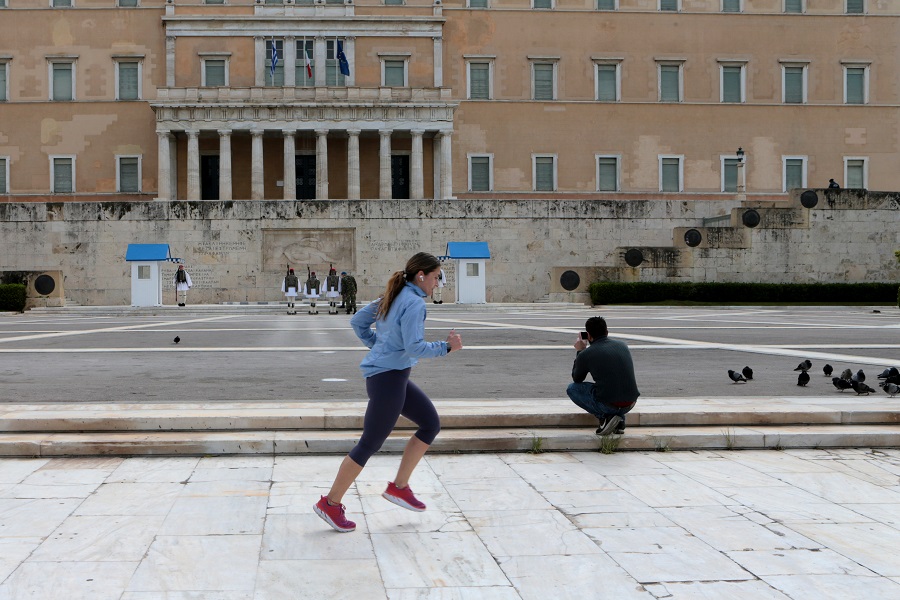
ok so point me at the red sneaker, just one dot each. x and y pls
(333, 515)
(403, 497)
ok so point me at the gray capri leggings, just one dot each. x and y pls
(392, 394)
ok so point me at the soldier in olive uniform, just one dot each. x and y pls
(332, 290)
(348, 292)
(290, 286)
(312, 289)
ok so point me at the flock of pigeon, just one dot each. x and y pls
(847, 381)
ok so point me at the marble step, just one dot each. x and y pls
(660, 439)
(839, 409)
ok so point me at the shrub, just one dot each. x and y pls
(12, 297)
(641, 291)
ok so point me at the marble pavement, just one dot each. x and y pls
(756, 524)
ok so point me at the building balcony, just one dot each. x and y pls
(372, 96)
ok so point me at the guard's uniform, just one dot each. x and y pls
(289, 287)
(332, 291)
(312, 289)
(182, 282)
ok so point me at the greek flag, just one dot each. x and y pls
(342, 59)
(274, 59)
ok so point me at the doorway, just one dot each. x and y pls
(400, 176)
(306, 176)
(209, 177)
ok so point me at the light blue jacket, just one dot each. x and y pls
(398, 342)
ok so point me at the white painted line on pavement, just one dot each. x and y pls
(107, 329)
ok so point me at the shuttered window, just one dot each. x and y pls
(63, 181)
(301, 75)
(127, 3)
(213, 1)
(542, 3)
(856, 173)
(394, 73)
(480, 173)
(607, 83)
(3, 185)
(393, 2)
(543, 174)
(668, 5)
(856, 85)
(793, 85)
(729, 175)
(543, 81)
(856, 7)
(479, 81)
(669, 88)
(793, 173)
(670, 176)
(731, 6)
(61, 3)
(128, 80)
(63, 80)
(607, 174)
(276, 79)
(128, 174)
(4, 67)
(478, 3)
(333, 75)
(732, 82)
(793, 6)
(214, 71)
(606, 4)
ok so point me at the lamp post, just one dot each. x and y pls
(741, 182)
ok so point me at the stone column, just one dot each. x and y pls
(170, 61)
(225, 164)
(259, 61)
(350, 53)
(290, 165)
(257, 190)
(384, 172)
(289, 60)
(193, 165)
(353, 164)
(416, 187)
(438, 62)
(319, 61)
(446, 167)
(164, 177)
(321, 164)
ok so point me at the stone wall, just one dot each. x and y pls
(238, 251)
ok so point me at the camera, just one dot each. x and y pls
(584, 335)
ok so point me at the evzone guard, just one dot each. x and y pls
(332, 290)
(312, 289)
(289, 287)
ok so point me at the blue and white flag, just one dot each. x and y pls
(274, 59)
(342, 59)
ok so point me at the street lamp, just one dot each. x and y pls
(741, 182)
(740, 155)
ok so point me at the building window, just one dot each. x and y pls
(4, 81)
(60, 3)
(2, 3)
(793, 84)
(126, 3)
(213, 1)
(794, 6)
(333, 75)
(143, 271)
(305, 66)
(731, 82)
(855, 173)
(855, 7)
(215, 72)
(274, 56)
(543, 75)
(670, 173)
(731, 6)
(4, 174)
(607, 5)
(481, 177)
(478, 4)
(730, 174)
(128, 80)
(607, 173)
(669, 5)
(856, 84)
(544, 173)
(394, 2)
(545, 4)
(128, 174)
(609, 79)
(670, 82)
(62, 80)
(62, 174)
(472, 269)
(794, 172)
(393, 72)
(479, 82)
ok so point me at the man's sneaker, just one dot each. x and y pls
(403, 497)
(333, 515)
(620, 429)
(608, 425)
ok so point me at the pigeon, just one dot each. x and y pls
(806, 365)
(860, 376)
(884, 374)
(841, 384)
(895, 379)
(803, 378)
(860, 388)
(736, 377)
(177, 339)
(747, 372)
(828, 370)
(846, 374)
(891, 388)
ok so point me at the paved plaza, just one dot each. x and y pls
(752, 524)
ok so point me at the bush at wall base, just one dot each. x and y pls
(643, 291)
(12, 297)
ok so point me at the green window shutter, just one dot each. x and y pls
(393, 73)
(391, 2)
(606, 4)
(213, 1)
(479, 81)
(215, 73)
(62, 81)
(62, 3)
(128, 81)
(3, 69)
(668, 83)
(543, 174)
(128, 175)
(62, 175)
(669, 5)
(671, 177)
(543, 81)
(731, 6)
(543, 3)
(304, 49)
(793, 6)
(481, 173)
(128, 3)
(478, 4)
(793, 173)
(856, 81)
(3, 188)
(731, 84)
(607, 170)
(730, 176)
(606, 83)
(278, 79)
(793, 85)
(856, 174)
(855, 7)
